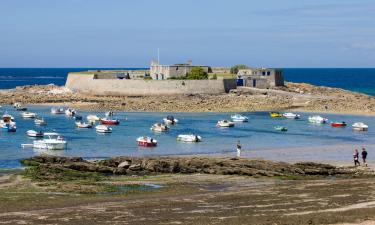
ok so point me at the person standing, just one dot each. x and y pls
(364, 156)
(239, 147)
(356, 157)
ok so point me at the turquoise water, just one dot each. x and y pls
(256, 135)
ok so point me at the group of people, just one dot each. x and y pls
(356, 157)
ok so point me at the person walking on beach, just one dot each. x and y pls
(355, 157)
(364, 156)
(239, 149)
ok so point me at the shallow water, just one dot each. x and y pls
(257, 135)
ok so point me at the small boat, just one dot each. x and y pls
(189, 138)
(57, 110)
(275, 114)
(18, 106)
(158, 127)
(224, 123)
(6, 119)
(146, 142)
(109, 114)
(317, 119)
(338, 124)
(92, 118)
(33, 133)
(51, 141)
(359, 126)
(281, 128)
(170, 120)
(9, 127)
(70, 112)
(290, 115)
(103, 129)
(83, 125)
(40, 121)
(239, 118)
(28, 115)
(107, 121)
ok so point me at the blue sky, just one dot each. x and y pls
(127, 33)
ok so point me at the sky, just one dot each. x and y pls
(127, 33)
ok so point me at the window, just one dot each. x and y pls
(268, 73)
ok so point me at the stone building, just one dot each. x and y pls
(163, 72)
(260, 77)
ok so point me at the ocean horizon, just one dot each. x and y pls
(353, 79)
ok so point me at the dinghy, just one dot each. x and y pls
(146, 142)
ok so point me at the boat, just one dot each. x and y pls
(170, 120)
(109, 114)
(224, 123)
(6, 118)
(290, 115)
(146, 142)
(338, 124)
(158, 127)
(359, 126)
(70, 112)
(40, 121)
(281, 128)
(83, 125)
(239, 118)
(317, 119)
(275, 114)
(57, 110)
(107, 121)
(33, 133)
(103, 129)
(9, 127)
(189, 138)
(92, 118)
(28, 115)
(51, 141)
(18, 106)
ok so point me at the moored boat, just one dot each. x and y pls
(103, 129)
(338, 124)
(33, 133)
(224, 123)
(83, 125)
(275, 114)
(92, 118)
(9, 127)
(70, 112)
(57, 110)
(239, 118)
(281, 128)
(18, 106)
(189, 138)
(30, 115)
(317, 119)
(158, 127)
(290, 115)
(360, 126)
(51, 141)
(146, 142)
(107, 121)
(170, 120)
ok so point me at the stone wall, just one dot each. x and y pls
(85, 83)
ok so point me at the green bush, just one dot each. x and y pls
(234, 69)
(197, 73)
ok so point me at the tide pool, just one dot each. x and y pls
(257, 135)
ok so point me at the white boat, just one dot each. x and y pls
(33, 133)
(18, 106)
(109, 114)
(103, 129)
(9, 127)
(57, 111)
(189, 138)
(224, 123)
(290, 115)
(28, 115)
(70, 112)
(51, 141)
(158, 127)
(79, 124)
(359, 126)
(40, 121)
(146, 142)
(239, 118)
(6, 118)
(170, 120)
(317, 119)
(92, 118)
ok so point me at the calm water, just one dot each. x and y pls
(360, 80)
(258, 135)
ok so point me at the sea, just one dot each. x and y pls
(353, 79)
